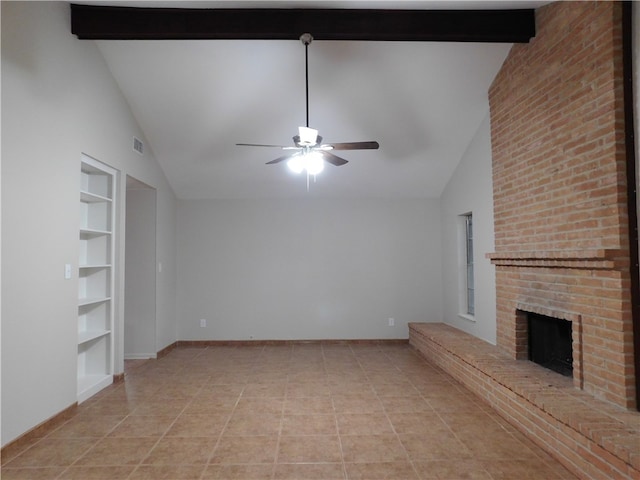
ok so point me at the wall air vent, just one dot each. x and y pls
(138, 146)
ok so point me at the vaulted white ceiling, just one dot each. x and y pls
(195, 100)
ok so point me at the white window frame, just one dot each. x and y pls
(466, 271)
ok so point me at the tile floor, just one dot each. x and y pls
(303, 411)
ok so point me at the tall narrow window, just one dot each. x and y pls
(469, 263)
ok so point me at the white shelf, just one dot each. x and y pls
(89, 267)
(88, 335)
(96, 180)
(89, 197)
(92, 300)
(89, 385)
(95, 247)
(89, 232)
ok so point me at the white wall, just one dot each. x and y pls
(58, 100)
(166, 280)
(471, 190)
(140, 274)
(309, 269)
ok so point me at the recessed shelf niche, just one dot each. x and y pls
(95, 277)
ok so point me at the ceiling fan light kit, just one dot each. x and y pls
(312, 162)
(308, 136)
(309, 153)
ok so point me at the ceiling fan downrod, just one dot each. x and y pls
(306, 39)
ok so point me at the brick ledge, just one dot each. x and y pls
(586, 254)
(542, 404)
(592, 259)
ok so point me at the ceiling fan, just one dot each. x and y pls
(308, 152)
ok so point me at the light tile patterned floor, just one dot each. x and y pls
(302, 411)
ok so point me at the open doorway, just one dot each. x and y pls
(140, 271)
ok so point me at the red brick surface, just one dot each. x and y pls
(592, 438)
(559, 181)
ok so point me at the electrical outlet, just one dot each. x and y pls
(203, 322)
(392, 321)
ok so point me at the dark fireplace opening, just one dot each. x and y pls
(550, 343)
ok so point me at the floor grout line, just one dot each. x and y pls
(332, 385)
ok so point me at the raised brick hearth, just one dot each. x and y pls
(594, 439)
(560, 200)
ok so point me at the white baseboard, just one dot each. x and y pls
(139, 356)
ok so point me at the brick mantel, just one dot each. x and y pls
(608, 259)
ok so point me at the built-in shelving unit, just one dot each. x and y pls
(95, 277)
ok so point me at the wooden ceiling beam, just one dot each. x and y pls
(91, 22)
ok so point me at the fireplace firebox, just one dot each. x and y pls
(550, 343)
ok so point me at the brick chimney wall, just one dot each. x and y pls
(561, 230)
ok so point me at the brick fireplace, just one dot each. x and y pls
(561, 246)
(561, 227)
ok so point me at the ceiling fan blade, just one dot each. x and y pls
(258, 145)
(280, 159)
(333, 159)
(355, 146)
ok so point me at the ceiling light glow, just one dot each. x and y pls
(312, 162)
(315, 163)
(296, 164)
